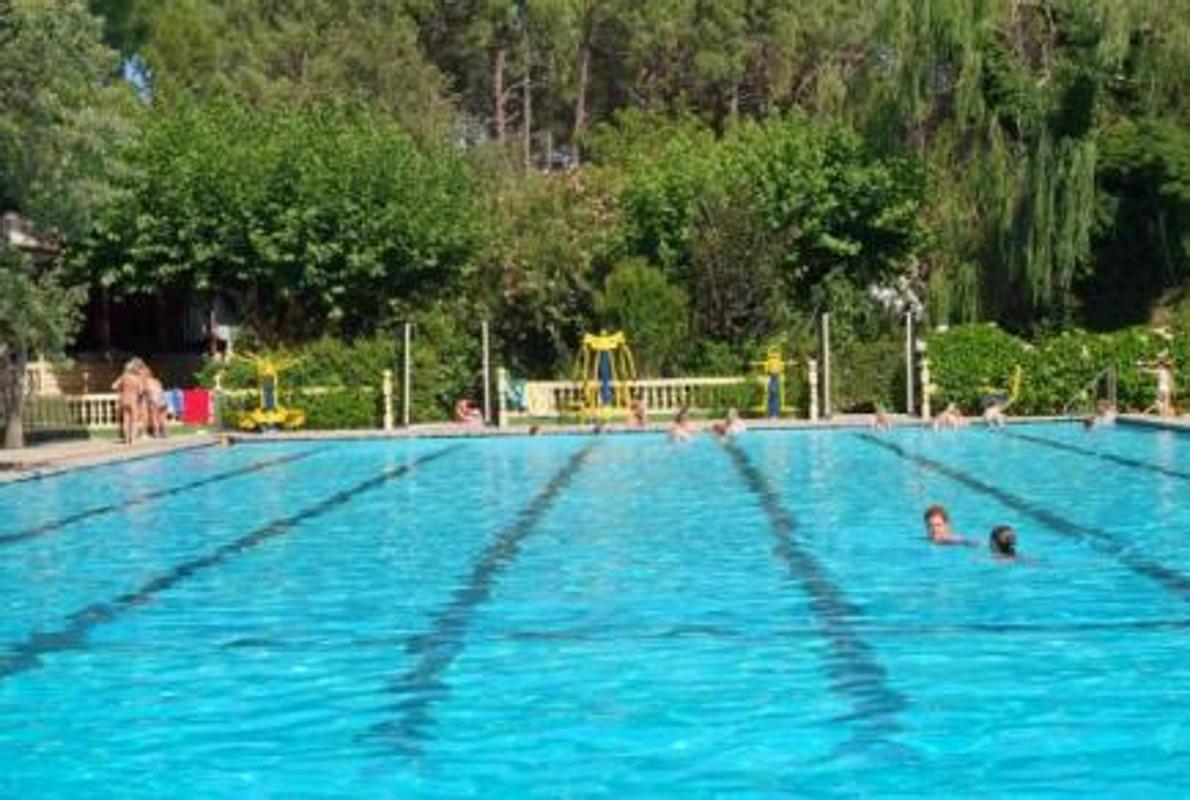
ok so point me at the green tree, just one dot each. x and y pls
(298, 52)
(63, 113)
(38, 316)
(311, 220)
(653, 313)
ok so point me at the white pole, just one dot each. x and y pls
(812, 366)
(909, 364)
(408, 385)
(826, 365)
(487, 377)
(388, 399)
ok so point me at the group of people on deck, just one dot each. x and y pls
(142, 402)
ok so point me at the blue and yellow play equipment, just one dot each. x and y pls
(270, 415)
(772, 376)
(605, 371)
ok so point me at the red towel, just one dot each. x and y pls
(196, 406)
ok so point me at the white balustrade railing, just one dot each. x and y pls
(660, 395)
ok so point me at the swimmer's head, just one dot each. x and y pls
(937, 522)
(1002, 541)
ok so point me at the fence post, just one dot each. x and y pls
(826, 365)
(487, 377)
(407, 383)
(388, 399)
(909, 364)
(925, 389)
(501, 393)
(218, 402)
(812, 366)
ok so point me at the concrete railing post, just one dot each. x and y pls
(812, 369)
(388, 399)
(926, 389)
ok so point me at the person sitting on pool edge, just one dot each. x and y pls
(938, 529)
(1002, 542)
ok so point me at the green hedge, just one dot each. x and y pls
(971, 361)
(337, 409)
(445, 367)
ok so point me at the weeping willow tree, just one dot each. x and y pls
(1005, 100)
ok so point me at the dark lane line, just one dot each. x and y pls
(421, 686)
(1100, 539)
(855, 672)
(147, 497)
(1112, 457)
(879, 630)
(27, 655)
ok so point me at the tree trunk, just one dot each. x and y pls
(527, 104)
(580, 102)
(12, 384)
(499, 120)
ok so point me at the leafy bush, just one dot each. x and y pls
(969, 361)
(337, 409)
(1067, 368)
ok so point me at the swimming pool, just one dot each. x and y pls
(602, 617)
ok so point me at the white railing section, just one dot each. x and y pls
(94, 410)
(660, 395)
(60, 411)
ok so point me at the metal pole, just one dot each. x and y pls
(408, 385)
(826, 365)
(909, 364)
(487, 377)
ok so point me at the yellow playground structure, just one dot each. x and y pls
(1003, 397)
(270, 415)
(772, 373)
(605, 372)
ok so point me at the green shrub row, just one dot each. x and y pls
(445, 367)
(336, 409)
(971, 361)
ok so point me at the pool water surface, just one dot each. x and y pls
(615, 616)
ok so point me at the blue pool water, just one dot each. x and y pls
(603, 617)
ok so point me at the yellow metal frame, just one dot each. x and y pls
(269, 369)
(586, 374)
(772, 364)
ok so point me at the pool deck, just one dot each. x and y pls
(46, 459)
(40, 460)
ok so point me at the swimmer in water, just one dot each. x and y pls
(1002, 542)
(938, 529)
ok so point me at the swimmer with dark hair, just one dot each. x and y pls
(1002, 541)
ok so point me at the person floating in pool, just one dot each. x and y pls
(1002, 542)
(951, 418)
(681, 429)
(731, 426)
(993, 415)
(938, 529)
